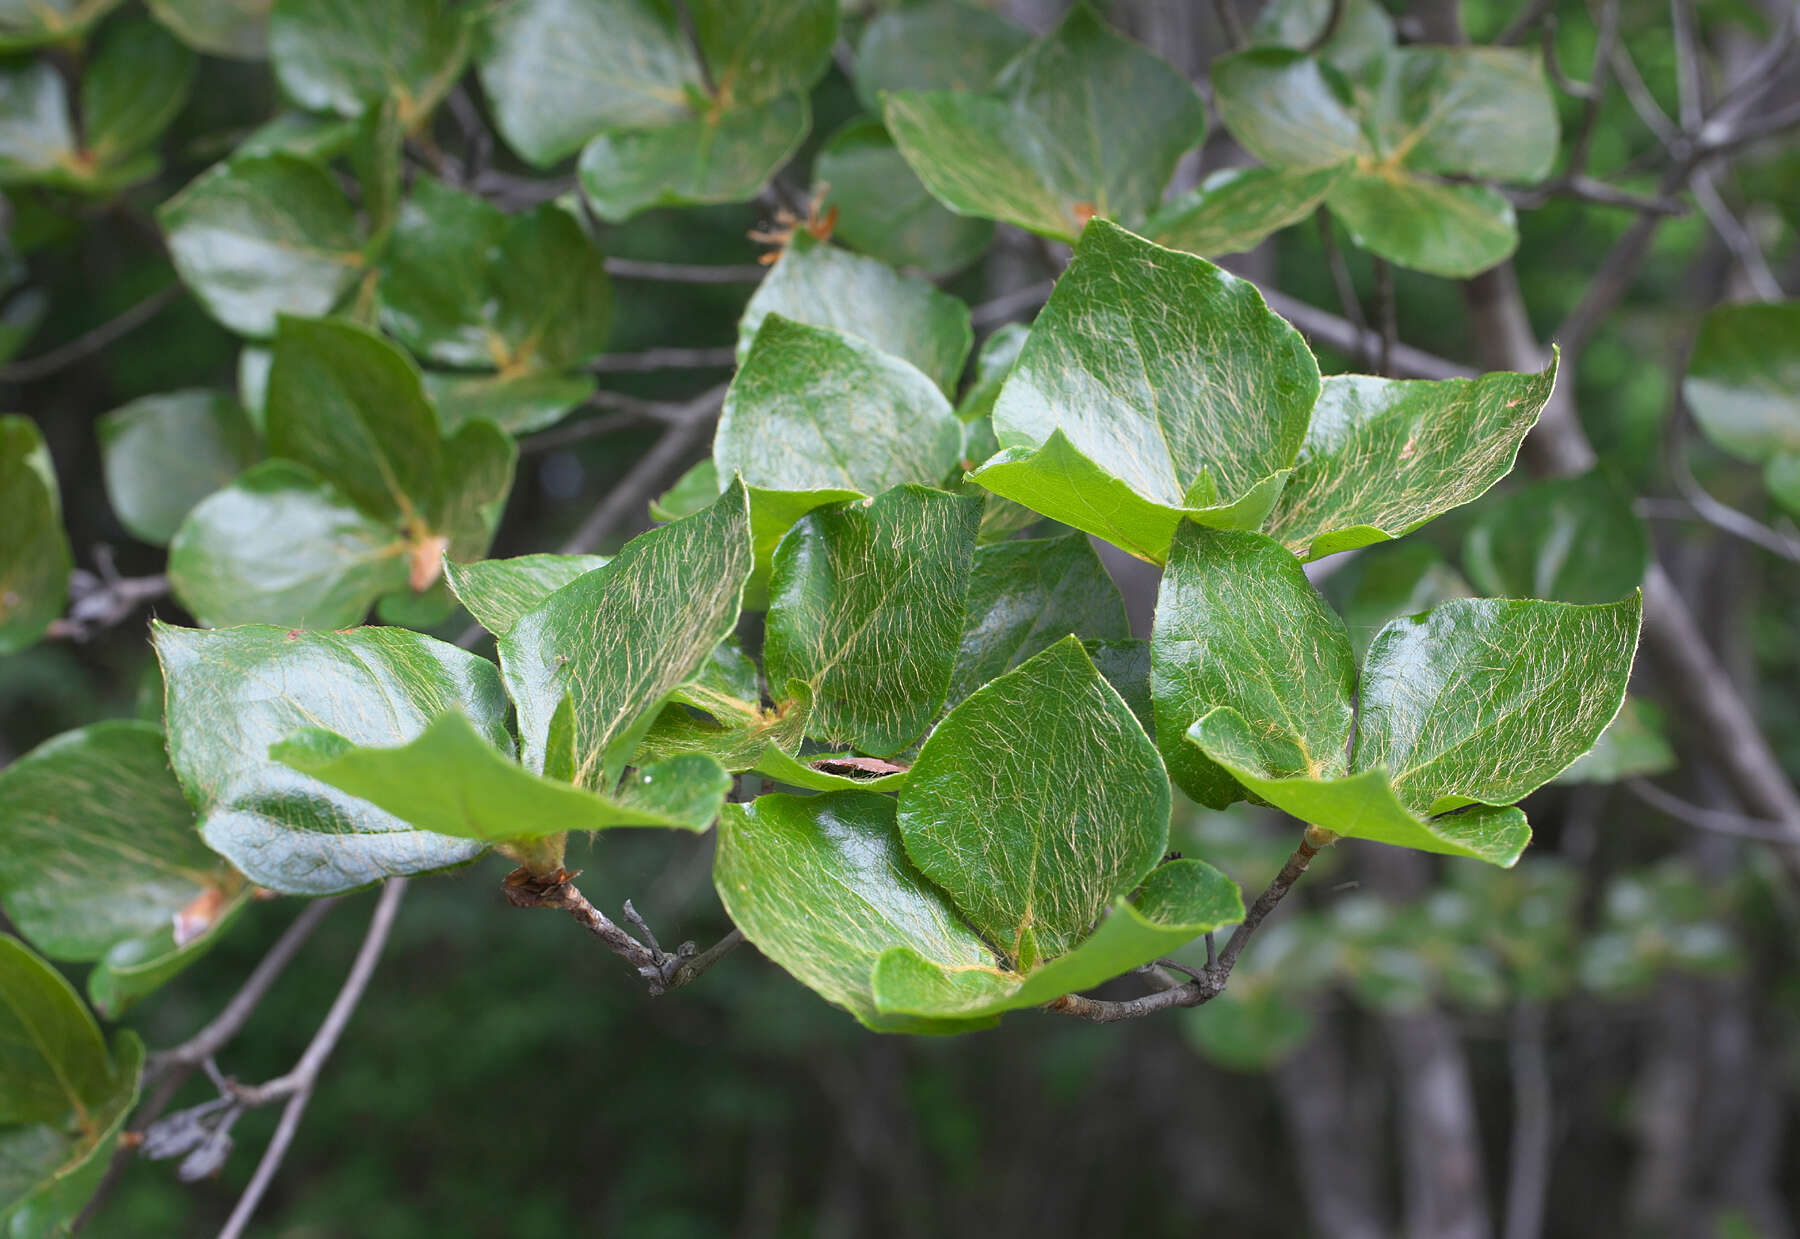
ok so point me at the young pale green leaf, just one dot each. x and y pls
(33, 24)
(232, 693)
(1566, 539)
(999, 810)
(1355, 33)
(164, 454)
(53, 1063)
(935, 45)
(1179, 901)
(100, 845)
(822, 886)
(451, 780)
(866, 607)
(347, 57)
(1384, 456)
(1453, 230)
(1239, 625)
(132, 88)
(238, 29)
(34, 551)
(1234, 209)
(1385, 582)
(1024, 595)
(498, 591)
(1361, 805)
(258, 237)
(738, 736)
(1633, 745)
(1153, 387)
(517, 403)
(1743, 380)
(884, 210)
(135, 968)
(50, 1171)
(1083, 122)
(824, 286)
(616, 641)
(1482, 701)
(630, 170)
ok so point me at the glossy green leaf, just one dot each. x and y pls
(1287, 109)
(866, 607)
(451, 780)
(498, 591)
(1481, 700)
(1452, 230)
(692, 491)
(135, 968)
(234, 28)
(1566, 539)
(34, 551)
(999, 353)
(345, 56)
(1384, 456)
(1743, 380)
(1633, 745)
(1024, 596)
(281, 545)
(1179, 901)
(257, 237)
(1084, 122)
(1359, 32)
(100, 845)
(999, 811)
(49, 1172)
(822, 886)
(37, 140)
(1153, 387)
(739, 734)
(133, 87)
(53, 1063)
(1239, 625)
(1126, 666)
(616, 641)
(33, 23)
(936, 45)
(164, 454)
(1467, 111)
(518, 403)
(1234, 209)
(824, 286)
(1385, 582)
(631, 170)
(757, 52)
(552, 300)
(884, 210)
(232, 693)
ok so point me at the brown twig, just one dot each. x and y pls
(92, 341)
(665, 359)
(684, 273)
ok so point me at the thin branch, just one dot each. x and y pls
(1587, 92)
(1230, 24)
(1718, 821)
(1329, 329)
(636, 488)
(1521, 25)
(1583, 188)
(1737, 238)
(1207, 987)
(103, 600)
(1688, 84)
(297, 1085)
(1528, 1169)
(683, 273)
(1009, 306)
(665, 359)
(1715, 513)
(1737, 524)
(1345, 288)
(91, 342)
(623, 412)
(1386, 313)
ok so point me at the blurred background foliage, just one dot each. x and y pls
(505, 1077)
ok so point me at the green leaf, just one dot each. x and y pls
(866, 604)
(133, 87)
(53, 1063)
(720, 157)
(100, 845)
(936, 45)
(257, 237)
(451, 780)
(347, 57)
(1000, 813)
(48, 1173)
(373, 686)
(552, 300)
(616, 641)
(1384, 582)
(137, 967)
(884, 210)
(1483, 701)
(1239, 625)
(302, 135)
(1179, 901)
(1634, 744)
(1567, 539)
(1782, 478)
(164, 454)
(757, 52)
(498, 591)
(1234, 209)
(1452, 230)
(234, 28)
(1153, 387)
(377, 158)
(1463, 111)
(822, 886)
(999, 352)
(34, 551)
(1083, 122)
(1384, 456)
(738, 735)
(824, 286)
(1359, 34)
(33, 23)
(37, 140)
(1287, 109)
(282, 545)
(1743, 380)
(1126, 666)
(1024, 595)
(517, 403)
(692, 491)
